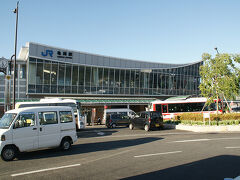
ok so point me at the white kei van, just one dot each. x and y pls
(32, 128)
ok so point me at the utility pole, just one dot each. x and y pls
(15, 57)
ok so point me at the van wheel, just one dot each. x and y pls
(114, 125)
(66, 144)
(131, 126)
(146, 127)
(8, 153)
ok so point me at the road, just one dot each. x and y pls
(121, 153)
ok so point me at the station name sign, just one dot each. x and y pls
(60, 54)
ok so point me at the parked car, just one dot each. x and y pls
(236, 109)
(147, 120)
(114, 120)
(33, 128)
(122, 111)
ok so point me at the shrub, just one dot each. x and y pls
(197, 119)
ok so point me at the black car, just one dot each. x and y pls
(147, 120)
(114, 120)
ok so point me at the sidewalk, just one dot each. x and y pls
(95, 127)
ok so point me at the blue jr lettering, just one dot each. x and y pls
(47, 52)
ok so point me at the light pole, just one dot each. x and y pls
(216, 50)
(15, 60)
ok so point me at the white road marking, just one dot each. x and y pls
(236, 147)
(42, 170)
(109, 156)
(191, 140)
(196, 140)
(157, 154)
(101, 133)
(146, 134)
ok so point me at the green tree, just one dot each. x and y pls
(220, 77)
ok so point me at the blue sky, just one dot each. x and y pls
(166, 31)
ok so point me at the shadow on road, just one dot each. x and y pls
(86, 148)
(97, 131)
(219, 167)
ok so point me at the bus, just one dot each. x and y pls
(75, 105)
(173, 107)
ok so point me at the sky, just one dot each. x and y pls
(164, 31)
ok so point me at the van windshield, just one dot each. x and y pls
(7, 120)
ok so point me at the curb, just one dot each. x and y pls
(194, 128)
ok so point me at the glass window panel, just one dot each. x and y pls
(74, 89)
(54, 73)
(81, 75)
(75, 75)
(68, 89)
(68, 75)
(60, 89)
(146, 80)
(142, 80)
(159, 80)
(151, 80)
(127, 78)
(46, 88)
(46, 118)
(88, 76)
(53, 89)
(25, 120)
(132, 79)
(167, 81)
(39, 77)
(65, 116)
(94, 77)
(105, 82)
(100, 76)
(155, 80)
(61, 74)
(47, 72)
(111, 78)
(38, 88)
(80, 89)
(117, 83)
(137, 78)
(32, 60)
(32, 73)
(22, 71)
(122, 78)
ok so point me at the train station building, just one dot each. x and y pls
(97, 80)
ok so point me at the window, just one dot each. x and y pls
(65, 116)
(46, 118)
(123, 113)
(7, 120)
(164, 108)
(25, 120)
(143, 115)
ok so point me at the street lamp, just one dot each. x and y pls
(15, 60)
(216, 50)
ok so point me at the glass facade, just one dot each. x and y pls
(52, 77)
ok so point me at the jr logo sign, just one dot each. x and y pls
(47, 52)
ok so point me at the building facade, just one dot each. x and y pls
(50, 71)
(56, 71)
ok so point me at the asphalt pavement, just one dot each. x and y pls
(121, 153)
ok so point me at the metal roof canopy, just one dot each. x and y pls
(99, 100)
(110, 100)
